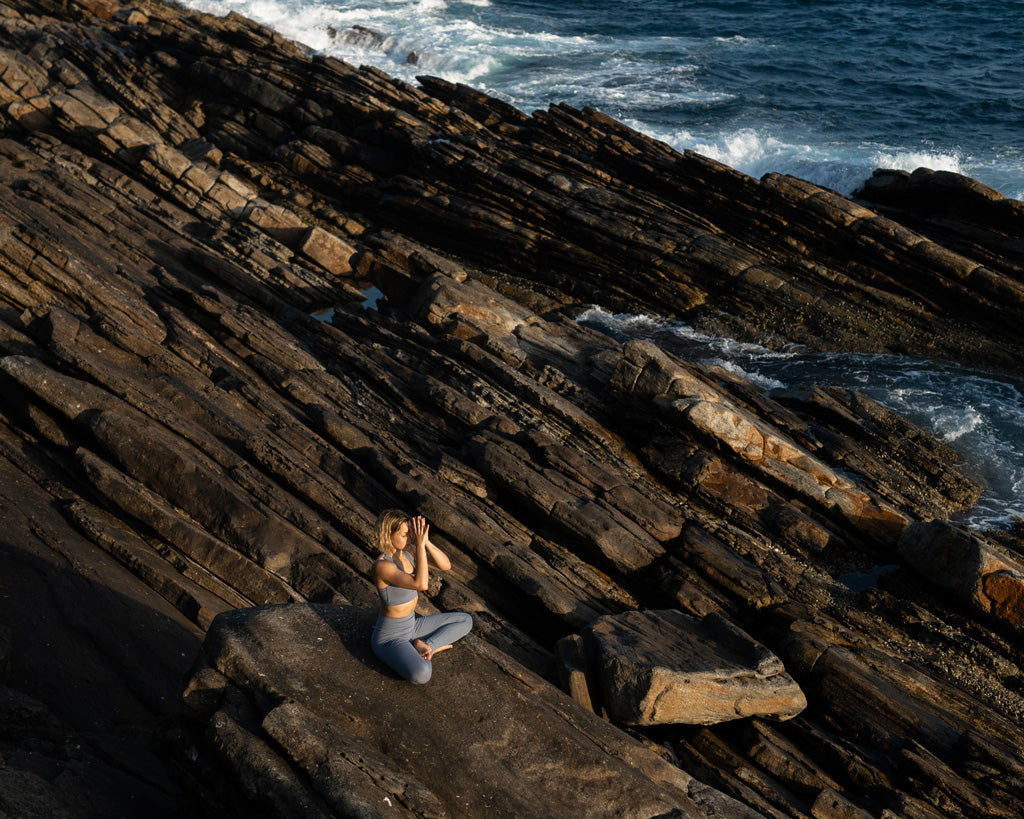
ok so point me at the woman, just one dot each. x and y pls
(404, 641)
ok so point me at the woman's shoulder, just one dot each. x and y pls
(398, 559)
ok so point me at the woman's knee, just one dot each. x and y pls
(421, 674)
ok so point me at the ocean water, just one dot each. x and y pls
(827, 90)
(981, 415)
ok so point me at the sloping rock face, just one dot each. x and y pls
(984, 574)
(180, 440)
(663, 667)
(300, 706)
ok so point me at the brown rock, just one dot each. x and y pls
(831, 805)
(328, 250)
(1004, 591)
(687, 398)
(977, 570)
(663, 667)
(308, 678)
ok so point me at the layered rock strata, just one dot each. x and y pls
(183, 444)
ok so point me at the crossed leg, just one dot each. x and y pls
(410, 654)
(437, 632)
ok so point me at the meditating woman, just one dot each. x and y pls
(404, 641)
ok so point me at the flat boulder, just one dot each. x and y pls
(658, 667)
(298, 706)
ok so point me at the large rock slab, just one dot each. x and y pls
(293, 691)
(975, 569)
(657, 667)
(680, 392)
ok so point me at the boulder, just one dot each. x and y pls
(660, 667)
(328, 250)
(299, 706)
(977, 570)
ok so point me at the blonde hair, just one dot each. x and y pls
(388, 522)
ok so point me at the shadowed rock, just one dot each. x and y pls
(180, 438)
(982, 573)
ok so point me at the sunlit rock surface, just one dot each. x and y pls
(182, 441)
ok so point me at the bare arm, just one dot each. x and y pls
(438, 559)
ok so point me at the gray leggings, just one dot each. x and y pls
(393, 636)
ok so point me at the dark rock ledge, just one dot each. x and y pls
(652, 550)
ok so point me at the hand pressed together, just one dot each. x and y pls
(420, 531)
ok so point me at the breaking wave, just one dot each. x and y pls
(980, 415)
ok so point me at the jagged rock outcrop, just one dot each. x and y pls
(982, 573)
(181, 440)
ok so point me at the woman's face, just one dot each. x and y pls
(400, 537)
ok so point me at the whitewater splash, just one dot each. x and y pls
(756, 153)
(676, 81)
(402, 38)
(979, 415)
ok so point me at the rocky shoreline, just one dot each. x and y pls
(200, 422)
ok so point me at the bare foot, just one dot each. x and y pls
(426, 652)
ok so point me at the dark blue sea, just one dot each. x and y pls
(827, 90)
(824, 89)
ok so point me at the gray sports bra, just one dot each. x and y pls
(396, 595)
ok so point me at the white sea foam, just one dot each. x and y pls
(621, 324)
(746, 150)
(738, 39)
(912, 160)
(756, 152)
(729, 347)
(763, 381)
(948, 420)
(459, 49)
(667, 83)
(981, 416)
